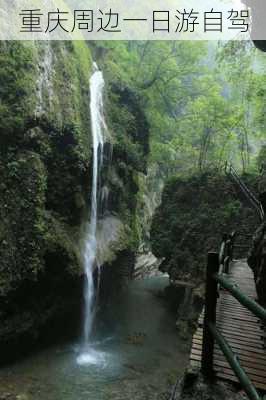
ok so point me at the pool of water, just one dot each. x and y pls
(134, 355)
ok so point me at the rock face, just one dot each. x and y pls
(44, 162)
(194, 387)
(257, 255)
(257, 262)
(191, 220)
(194, 214)
(45, 165)
(146, 265)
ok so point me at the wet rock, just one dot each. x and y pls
(190, 377)
(7, 396)
(194, 387)
(136, 338)
(146, 265)
(257, 262)
(22, 397)
(191, 220)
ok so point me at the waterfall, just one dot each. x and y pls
(44, 84)
(98, 127)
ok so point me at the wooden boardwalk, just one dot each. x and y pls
(243, 331)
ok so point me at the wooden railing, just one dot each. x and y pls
(229, 170)
(218, 266)
(226, 252)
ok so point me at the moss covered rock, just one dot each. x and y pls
(45, 162)
(194, 214)
(46, 170)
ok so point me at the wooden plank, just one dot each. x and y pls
(238, 330)
(230, 316)
(234, 303)
(249, 357)
(237, 347)
(221, 366)
(236, 324)
(228, 374)
(235, 321)
(257, 342)
(237, 344)
(228, 333)
(234, 339)
(243, 331)
(240, 317)
(233, 378)
(254, 326)
(239, 326)
(235, 313)
(236, 310)
(249, 366)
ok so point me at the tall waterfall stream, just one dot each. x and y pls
(98, 126)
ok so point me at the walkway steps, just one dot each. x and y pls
(242, 330)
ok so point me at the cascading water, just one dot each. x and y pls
(98, 127)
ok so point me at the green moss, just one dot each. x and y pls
(192, 219)
(130, 128)
(17, 79)
(62, 252)
(70, 103)
(45, 153)
(21, 206)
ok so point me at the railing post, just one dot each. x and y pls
(232, 241)
(210, 314)
(226, 264)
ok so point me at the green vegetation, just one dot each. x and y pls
(205, 102)
(44, 157)
(17, 77)
(44, 152)
(194, 214)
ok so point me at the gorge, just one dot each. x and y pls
(112, 192)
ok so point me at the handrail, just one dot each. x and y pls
(226, 252)
(244, 186)
(217, 268)
(246, 301)
(234, 363)
(229, 169)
